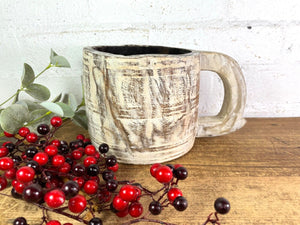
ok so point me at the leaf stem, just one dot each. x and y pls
(11, 97)
(22, 89)
(37, 119)
(48, 67)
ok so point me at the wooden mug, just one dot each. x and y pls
(143, 101)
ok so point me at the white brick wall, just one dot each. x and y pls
(269, 52)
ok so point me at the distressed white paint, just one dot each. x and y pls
(269, 52)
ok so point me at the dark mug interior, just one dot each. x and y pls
(128, 50)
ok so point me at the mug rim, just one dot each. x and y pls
(94, 50)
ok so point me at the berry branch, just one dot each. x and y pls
(48, 172)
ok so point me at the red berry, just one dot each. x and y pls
(51, 150)
(90, 150)
(128, 193)
(89, 160)
(19, 187)
(55, 142)
(164, 174)
(11, 173)
(135, 209)
(65, 168)
(41, 158)
(114, 168)
(14, 182)
(53, 222)
(138, 193)
(56, 121)
(119, 204)
(3, 152)
(25, 174)
(79, 180)
(154, 168)
(174, 193)
(177, 166)
(54, 198)
(8, 134)
(95, 178)
(77, 204)
(6, 163)
(23, 131)
(90, 187)
(97, 155)
(76, 154)
(3, 145)
(3, 183)
(31, 137)
(80, 137)
(86, 140)
(58, 160)
(122, 213)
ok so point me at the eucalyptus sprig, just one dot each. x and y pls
(30, 113)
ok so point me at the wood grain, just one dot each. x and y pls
(256, 168)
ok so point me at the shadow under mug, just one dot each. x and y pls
(143, 101)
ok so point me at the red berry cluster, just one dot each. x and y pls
(51, 173)
(126, 202)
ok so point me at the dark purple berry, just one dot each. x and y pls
(111, 161)
(181, 173)
(34, 165)
(79, 170)
(171, 167)
(63, 149)
(111, 185)
(95, 221)
(30, 152)
(180, 203)
(222, 205)
(15, 194)
(108, 175)
(70, 188)
(16, 159)
(92, 170)
(69, 161)
(43, 129)
(103, 148)
(155, 208)
(33, 193)
(10, 147)
(20, 221)
(76, 144)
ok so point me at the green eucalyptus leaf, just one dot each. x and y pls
(52, 54)
(68, 112)
(58, 60)
(57, 98)
(53, 107)
(72, 102)
(65, 98)
(14, 117)
(38, 91)
(80, 119)
(22, 103)
(28, 75)
(31, 105)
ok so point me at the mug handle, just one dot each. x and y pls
(230, 117)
